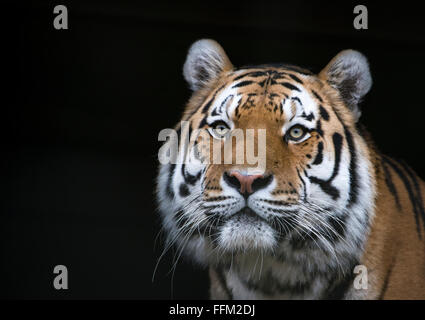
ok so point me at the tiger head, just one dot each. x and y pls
(311, 188)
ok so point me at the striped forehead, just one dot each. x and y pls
(289, 97)
(226, 101)
(300, 104)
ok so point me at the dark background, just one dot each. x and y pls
(86, 105)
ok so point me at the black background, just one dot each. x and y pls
(86, 105)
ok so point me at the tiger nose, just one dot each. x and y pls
(247, 184)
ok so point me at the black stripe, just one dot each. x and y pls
(323, 113)
(418, 197)
(252, 74)
(289, 86)
(308, 117)
(386, 281)
(295, 78)
(237, 110)
(339, 287)
(225, 102)
(319, 156)
(317, 96)
(319, 128)
(408, 187)
(214, 112)
(242, 84)
(304, 186)
(183, 190)
(218, 198)
(390, 184)
(207, 106)
(281, 106)
(262, 83)
(220, 108)
(337, 141)
(203, 122)
(354, 185)
(326, 185)
(297, 99)
(190, 179)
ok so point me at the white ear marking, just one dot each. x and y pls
(349, 73)
(205, 61)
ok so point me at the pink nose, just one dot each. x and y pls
(245, 181)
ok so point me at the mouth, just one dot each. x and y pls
(249, 214)
(246, 230)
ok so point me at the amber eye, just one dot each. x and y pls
(220, 128)
(296, 133)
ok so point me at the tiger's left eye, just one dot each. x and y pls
(220, 129)
(296, 133)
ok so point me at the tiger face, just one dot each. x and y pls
(309, 194)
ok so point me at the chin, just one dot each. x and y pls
(245, 233)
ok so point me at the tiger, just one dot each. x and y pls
(328, 216)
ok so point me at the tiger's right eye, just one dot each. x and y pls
(296, 133)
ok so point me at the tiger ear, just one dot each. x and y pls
(349, 73)
(205, 62)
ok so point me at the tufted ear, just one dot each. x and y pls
(349, 73)
(205, 62)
